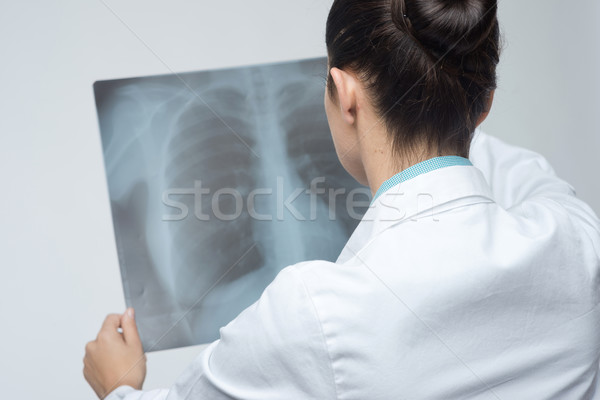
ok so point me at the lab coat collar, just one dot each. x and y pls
(425, 195)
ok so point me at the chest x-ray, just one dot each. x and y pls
(217, 181)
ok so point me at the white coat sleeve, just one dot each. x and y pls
(129, 393)
(521, 178)
(274, 349)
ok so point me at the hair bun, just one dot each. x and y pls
(452, 27)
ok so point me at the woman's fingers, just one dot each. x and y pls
(110, 326)
(129, 327)
(115, 359)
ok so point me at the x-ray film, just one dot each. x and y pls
(218, 180)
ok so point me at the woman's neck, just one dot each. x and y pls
(381, 162)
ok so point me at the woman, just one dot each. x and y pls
(474, 275)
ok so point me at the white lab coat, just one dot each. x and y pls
(466, 282)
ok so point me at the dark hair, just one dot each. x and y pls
(429, 65)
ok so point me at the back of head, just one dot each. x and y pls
(429, 65)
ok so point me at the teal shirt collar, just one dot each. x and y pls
(421, 168)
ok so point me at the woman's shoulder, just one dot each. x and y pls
(525, 184)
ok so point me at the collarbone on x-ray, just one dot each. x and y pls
(217, 181)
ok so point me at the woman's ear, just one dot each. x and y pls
(488, 108)
(345, 85)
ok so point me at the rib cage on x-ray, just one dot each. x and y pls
(171, 143)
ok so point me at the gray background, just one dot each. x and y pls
(60, 274)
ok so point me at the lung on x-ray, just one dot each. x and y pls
(218, 180)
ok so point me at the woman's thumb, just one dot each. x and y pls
(130, 332)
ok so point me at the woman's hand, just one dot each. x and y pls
(114, 358)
